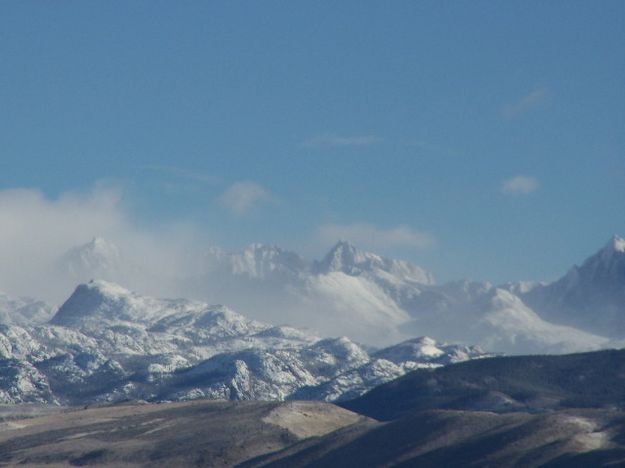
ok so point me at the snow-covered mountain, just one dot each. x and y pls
(23, 310)
(106, 343)
(346, 258)
(258, 261)
(349, 292)
(381, 301)
(494, 318)
(590, 296)
(388, 364)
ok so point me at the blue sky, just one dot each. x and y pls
(478, 139)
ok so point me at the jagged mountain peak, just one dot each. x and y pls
(590, 296)
(615, 246)
(98, 246)
(608, 264)
(346, 258)
(98, 257)
(262, 261)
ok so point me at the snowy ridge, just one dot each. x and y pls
(107, 343)
(380, 301)
(23, 311)
(349, 292)
(388, 364)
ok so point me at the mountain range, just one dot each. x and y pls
(531, 411)
(380, 301)
(107, 343)
(413, 401)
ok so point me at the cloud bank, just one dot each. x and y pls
(36, 231)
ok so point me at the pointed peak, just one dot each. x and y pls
(87, 299)
(342, 243)
(106, 288)
(615, 244)
(346, 247)
(344, 257)
(341, 247)
(97, 246)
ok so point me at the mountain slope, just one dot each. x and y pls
(386, 365)
(495, 319)
(503, 384)
(590, 296)
(217, 434)
(458, 439)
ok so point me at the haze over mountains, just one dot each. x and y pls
(107, 344)
(379, 301)
(309, 329)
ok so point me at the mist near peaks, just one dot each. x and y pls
(41, 241)
(49, 246)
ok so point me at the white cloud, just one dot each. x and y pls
(519, 185)
(373, 237)
(36, 231)
(330, 139)
(241, 197)
(525, 104)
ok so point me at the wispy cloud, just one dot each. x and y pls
(333, 140)
(519, 185)
(524, 104)
(243, 196)
(373, 237)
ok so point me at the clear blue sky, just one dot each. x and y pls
(494, 129)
